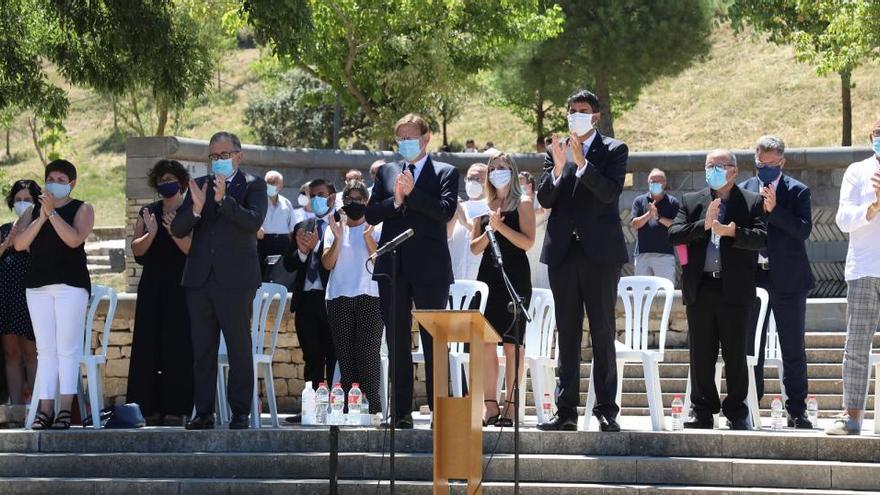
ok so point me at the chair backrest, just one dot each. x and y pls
(541, 331)
(99, 293)
(266, 295)
(461, 295)
(638, 295)
(772, 351)
(764, 299)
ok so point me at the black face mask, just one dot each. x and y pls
(355, 211)
(168, 189)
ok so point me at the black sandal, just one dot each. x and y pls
(42, 421)
(504, 421)
(62, 420)
(492, 420)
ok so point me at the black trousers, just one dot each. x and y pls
(315, 338)
(578, 284)
(790, 311)
(712, 321)
(213, 309)
(423, 296)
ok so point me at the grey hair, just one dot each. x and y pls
(274, 174)
(232, 138)
(656, 170)
(770, 143)
(725, 152)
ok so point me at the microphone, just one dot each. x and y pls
(496, 251)
(393, 243)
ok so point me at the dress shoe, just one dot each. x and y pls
(559, 423)
(607, 423)
(801, 422)
(404, 422)
(239, 422)
(741, 424)
(293, 420)
(201, 422)
(700, 423)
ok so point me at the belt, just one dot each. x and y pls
(274, 236)
(712, 275)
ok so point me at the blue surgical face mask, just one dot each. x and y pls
(222, 167)
(768, 173)
(409, 148)
(319, 206)
(271, 190)
(655, 188)
(60, 191)
(876, 146)
(716, 177)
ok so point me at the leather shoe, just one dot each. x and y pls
(699, 423)
(801, 422)
(201, 422)
(607, 423)
(404, 422)
(293, 420)
(239, 422)
(559, 423)
(741, 424)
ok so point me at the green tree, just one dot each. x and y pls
(834, 36)
(611, 47)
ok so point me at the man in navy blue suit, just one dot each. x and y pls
(420, 194)
(784, 271)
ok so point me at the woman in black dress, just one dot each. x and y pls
(512, 218)
(160, 377)
(19, 345)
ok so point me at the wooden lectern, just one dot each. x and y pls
(458, 421)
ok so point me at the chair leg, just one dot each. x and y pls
(752, 401)
(687, 397)
(92, 373)
(779, 373)
(35, 403)
(655, 395)
(876, 398)
(255, 399)
(719, 366)
(99, 385)
(585, 420)
(270, 394)
(455, 373)
(383, 394)
(222, 405)
(80, 394)
(502, 368)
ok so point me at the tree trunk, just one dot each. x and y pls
(115, 115)
(162, 113)
(540, 112)
(846, 107)
(8, 132)
(32, 124)
(606, 121)
(443, 126)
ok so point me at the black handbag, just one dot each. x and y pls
(120, 417)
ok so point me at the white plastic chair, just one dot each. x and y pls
(461, 293)
(638, 294)
(383, 392)
(752, 396)
(874, 362)
(93, 362)
(772, 357)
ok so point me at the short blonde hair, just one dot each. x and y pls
(412, 118)
(514, 195)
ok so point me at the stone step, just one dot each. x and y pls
(814, 355)
(99, 269)
(99, 259)
(816, 386)
(644, 411)
(104, 247)
(826, 402)
(680, 370)
(832, 340)
(100, 234)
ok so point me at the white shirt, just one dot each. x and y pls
(301, 215)
(280, 218)
(856, 194)
(350, 278)
(585, 147)
(466, 264)
(419, 166)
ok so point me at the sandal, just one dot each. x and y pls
(42, 421)
(504, 421)
(62, 420)
(492, 420)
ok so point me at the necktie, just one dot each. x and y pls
(312, 271)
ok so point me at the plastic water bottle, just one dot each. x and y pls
(364, 419)
(776, 413)
(355, 399)
(813, 411)
(322, 399)
(677, 414)
(337, 404)
(547, 407)
(308, 404)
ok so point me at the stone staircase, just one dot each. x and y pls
(296, 461)
(106, 256)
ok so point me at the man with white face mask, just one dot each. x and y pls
(652, 214)
(465, 263)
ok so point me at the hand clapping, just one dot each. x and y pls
(198, 195)
(712, 213)
(769, 198)
(496, 220)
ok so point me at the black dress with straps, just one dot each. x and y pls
(14, 316)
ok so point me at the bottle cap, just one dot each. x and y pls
(337, 384)
(322, 384)
(355, 384)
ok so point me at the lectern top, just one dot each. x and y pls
(457, 325)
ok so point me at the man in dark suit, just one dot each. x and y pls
(784, 271)
(723, 228)
(224, 211)
(584, 250)
(308, 292)
(420, 194)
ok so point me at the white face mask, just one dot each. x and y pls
(580, 123)
(473, 188)
(500, 178)
(21, 207)
(303, 200)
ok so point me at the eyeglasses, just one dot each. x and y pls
(349, 200)
(719, 165)
(768, 164)
(223, 156)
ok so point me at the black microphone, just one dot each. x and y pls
(393, 243)
(490, 232)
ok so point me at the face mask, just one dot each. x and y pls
(473, 188)
(302, 200)
(580, 123)
(271, 190)
(21, 207)
(60, 191)
(409, 149)
(655, 188)
(168, 189)
(222, 167)
(500, 178)
(355, 211)
(716, 177)
(768, 174)
(319, 206)
(876, 146)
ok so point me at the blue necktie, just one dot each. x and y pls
(312, 271)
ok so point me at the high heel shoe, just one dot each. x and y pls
(62, 420)
(42, 421)
(503, 421)
(492, 420)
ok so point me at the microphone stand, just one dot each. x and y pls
(392, 419)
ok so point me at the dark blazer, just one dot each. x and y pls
(788, 228)
(739, 254)
(225, 237)
(424, 258)
(588, 205)
(292, 263)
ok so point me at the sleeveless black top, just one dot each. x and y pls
(53, 261)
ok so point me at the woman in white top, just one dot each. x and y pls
(466, 264)
(353, 309)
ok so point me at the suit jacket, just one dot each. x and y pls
(788, 227)
(225, 237)
(292, 263)
(424, 258)
(587, 205)
(739, 254)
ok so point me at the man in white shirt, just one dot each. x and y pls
(273, 238)
(857, 215)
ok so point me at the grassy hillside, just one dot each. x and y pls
(745, 88)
